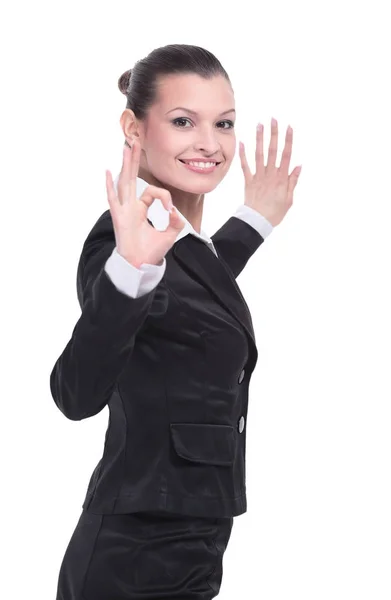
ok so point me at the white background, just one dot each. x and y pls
(318, 525)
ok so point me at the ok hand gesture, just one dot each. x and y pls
(136, 240)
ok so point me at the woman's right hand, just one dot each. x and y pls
(136, 240)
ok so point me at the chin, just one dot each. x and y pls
(201, 188)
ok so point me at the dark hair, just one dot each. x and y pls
(140, 83)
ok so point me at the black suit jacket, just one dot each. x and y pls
(174, 368)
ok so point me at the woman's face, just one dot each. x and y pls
(170, 133)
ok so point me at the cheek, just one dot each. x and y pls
(231, 148)
(160, 157)
(230, 154)
(167, 150)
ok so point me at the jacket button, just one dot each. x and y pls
(241, 424)
(241, 377)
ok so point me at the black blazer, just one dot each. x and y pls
(174, 368)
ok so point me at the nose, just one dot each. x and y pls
(208, 142)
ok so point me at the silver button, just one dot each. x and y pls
(241, 424)
(241, 377)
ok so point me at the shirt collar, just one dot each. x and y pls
(158, 215)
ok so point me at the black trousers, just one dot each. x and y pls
(144, 556)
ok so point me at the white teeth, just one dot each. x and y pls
(201, 165)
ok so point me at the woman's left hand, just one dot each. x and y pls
(270, 190)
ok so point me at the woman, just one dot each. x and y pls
(165, 339)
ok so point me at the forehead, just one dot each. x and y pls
(194, 92)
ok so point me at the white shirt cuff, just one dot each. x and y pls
(255, 219)
(130, 280)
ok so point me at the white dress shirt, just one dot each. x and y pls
(135, 282)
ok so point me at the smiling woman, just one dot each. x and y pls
(166, 341)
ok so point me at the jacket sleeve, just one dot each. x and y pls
(85, 374)
(235, 242)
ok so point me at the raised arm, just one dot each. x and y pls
(239, 237)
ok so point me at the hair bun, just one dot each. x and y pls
(123, 82)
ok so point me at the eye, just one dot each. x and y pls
(175, 121)
(230, 123)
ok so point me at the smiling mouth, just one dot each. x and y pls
(213, 161)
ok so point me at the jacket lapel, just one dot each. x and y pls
(209, 270)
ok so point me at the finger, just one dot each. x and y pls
(287, 152)
(126, 162)
(127, 182)
(152, 192)
(293, 179)
(176, 223)
(111, 193)
(297, 172)
(135, 159)
(271, 157)
(123, 184)
(259, 157)
(244, 163)
(134, 169)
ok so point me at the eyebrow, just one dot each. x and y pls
(193, 112)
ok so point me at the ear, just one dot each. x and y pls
(128, 125)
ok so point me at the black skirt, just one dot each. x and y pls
(144, 556)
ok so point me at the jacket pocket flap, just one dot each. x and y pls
(204, 443)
